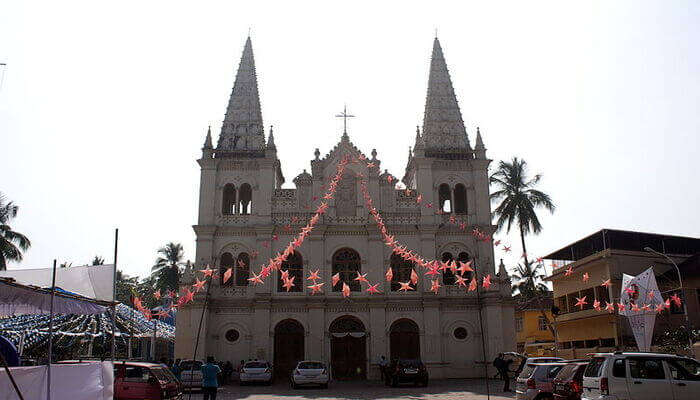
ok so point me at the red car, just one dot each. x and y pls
(142, 380)
(568, 385)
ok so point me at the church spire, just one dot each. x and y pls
(443, 127)
(243, 127)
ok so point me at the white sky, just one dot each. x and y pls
(104, 107)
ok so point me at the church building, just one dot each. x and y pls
(246, 218)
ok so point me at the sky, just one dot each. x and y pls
(104, 107)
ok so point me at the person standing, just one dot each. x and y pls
(210, 383)
(383, 364)
(502, 366)
(175, 369)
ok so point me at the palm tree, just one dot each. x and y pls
(167, 267)
(529, 281)
(98, 260)
(12, 243)
(520, 199)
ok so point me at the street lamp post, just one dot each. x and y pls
(680, 288)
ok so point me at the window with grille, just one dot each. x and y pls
(347, 264)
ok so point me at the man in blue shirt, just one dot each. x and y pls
(210, 383)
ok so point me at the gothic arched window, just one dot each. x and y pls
(448, 277)
(225, 263)
(294, 265)
(228, 201)
(346, 263)
(242, 269)
(460, 196)
(245, 202)
(444, 198)
(401, 270)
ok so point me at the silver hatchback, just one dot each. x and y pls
(536, 380)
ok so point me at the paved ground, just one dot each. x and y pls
(451, 389)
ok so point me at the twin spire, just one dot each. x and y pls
(443, 128)
(243, 128)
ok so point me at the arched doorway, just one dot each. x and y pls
(348, 348)
(404, 340)
(289, 347)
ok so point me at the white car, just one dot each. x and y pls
(256, 371)
(191, 373)
(641, 376)
(310, 373)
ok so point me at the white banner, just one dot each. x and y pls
(640, 295)
(80, 381)
(93, 281)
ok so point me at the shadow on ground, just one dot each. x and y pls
(369, 390)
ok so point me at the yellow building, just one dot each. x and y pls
(532, 335)
(606, 254)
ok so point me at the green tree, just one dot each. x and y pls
(167, 269)
(98, 260)
(518, 203)
(12, 243)
(519, 199)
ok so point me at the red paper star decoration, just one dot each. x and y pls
(435, 286)
(486, 282)
(316, 288)
(372, 289)
(610, 307)
(256, 279)
(414, 277)
(227, 274)
(288, 283)
(460, 281)
(207, 271)
(313, 276)
(361, 277)
(676, 300)
(472, 285)
(199, 285)
(581, 302)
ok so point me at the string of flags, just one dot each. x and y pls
(465, 273)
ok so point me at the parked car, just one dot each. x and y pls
(310, 373)
(641, 376)
(535, 381)
(142, 380)
(191, 373)
(568, 383)
(256, 371)
(406, 371)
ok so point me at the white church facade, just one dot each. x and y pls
(246, 218)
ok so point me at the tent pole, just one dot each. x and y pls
(9, 375)
(48, 367)
(483, 343)
(114, 293)
(199, 330)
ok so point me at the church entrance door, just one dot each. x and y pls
(348, 349)
(404, 340)
(289, 347)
